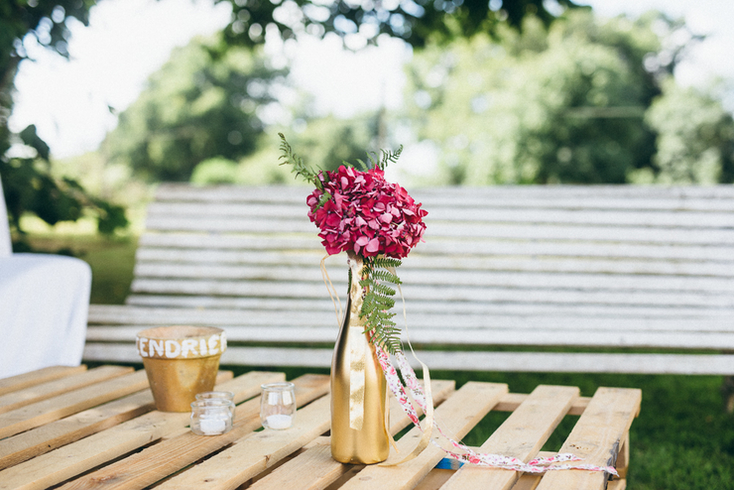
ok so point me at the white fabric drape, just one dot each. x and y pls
(44, 302)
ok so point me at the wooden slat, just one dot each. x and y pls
(583, 312)
(460, 413)
(255, 452)
(449, 277)
(297, 289)
(578, 232)
(245, 325)
(284, 216)
(493, 260)
(174, 453)
(315, 469)
(49, 389)
(73, 459)
(604, 423)
(523, 332)
(41, 440)
(59, 406)
(688, 364)
(26, 380)
(521, 436)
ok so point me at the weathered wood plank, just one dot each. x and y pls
(493, 260)
(172, 454)
(604, 423)
(459, 414)
(448, 277)
(279, 214)
(62, 405)
(254, 453)
(315, 469)
(521, 436)
(470, 333)
(73, 459)
(49, 389)
(26, 380)
(41, 440)
(487, 246)
(688, 364)
(298, 289)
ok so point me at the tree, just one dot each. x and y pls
(203, 103)
(542, 106)
(695, 138)
(415, 21)
(29, 187)
(27, 180)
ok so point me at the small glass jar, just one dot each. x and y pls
(212, 417)
(216, 395)
(277, 405)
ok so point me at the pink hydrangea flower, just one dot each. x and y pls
(365, 214)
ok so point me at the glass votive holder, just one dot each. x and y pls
(216, 395)
(277, 405)
(212, 417)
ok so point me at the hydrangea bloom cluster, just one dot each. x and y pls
(365, 214)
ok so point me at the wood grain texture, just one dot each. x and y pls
(315, 469)
(521, 436)
(603, 425)
(73, 459)
(21, 381)
(461, 412)
(174, 453)
(118, 381)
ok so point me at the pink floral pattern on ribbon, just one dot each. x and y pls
(468, 455)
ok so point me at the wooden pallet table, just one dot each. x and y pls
(72, 428)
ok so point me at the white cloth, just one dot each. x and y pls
(5, 246)
(44, 302)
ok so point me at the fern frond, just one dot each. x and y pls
(389, 157)
(378, 302)
(289, 157)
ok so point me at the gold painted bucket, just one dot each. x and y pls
(180, 361)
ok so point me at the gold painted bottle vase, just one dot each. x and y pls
(359, 409)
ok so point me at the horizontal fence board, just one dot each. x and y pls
(621, 312)
(459, 228)
(687, 364)
(485, 335)
(207, 257)
(297, 289)
(717, 197)
(285, 216)
(310, 244)
(447, 277)
(279, 324)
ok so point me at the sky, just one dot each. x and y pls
(128, 40)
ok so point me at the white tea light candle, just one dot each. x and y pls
(212, 417)
(278, 421)
(277, 405)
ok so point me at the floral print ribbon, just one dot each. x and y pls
(467, 455)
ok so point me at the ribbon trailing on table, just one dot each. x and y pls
(411, 389)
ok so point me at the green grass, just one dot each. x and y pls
(111, 260)
(683, 439)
